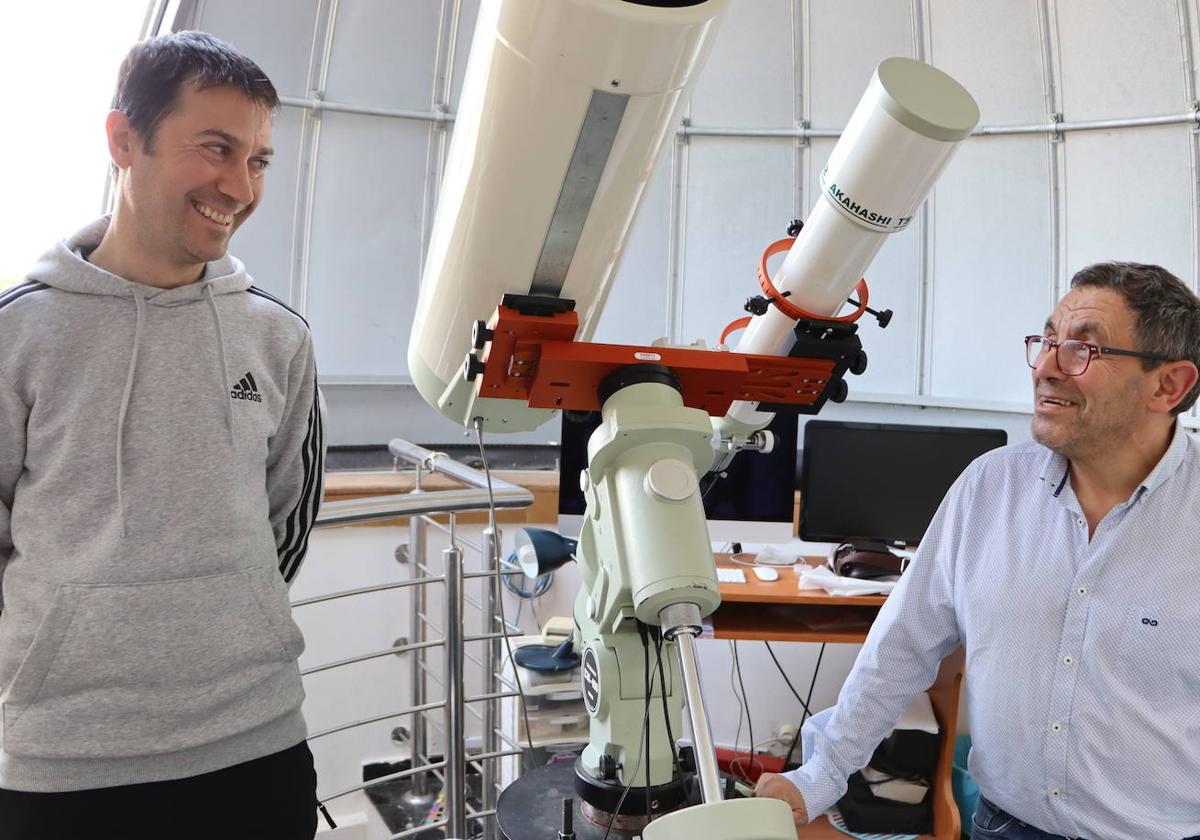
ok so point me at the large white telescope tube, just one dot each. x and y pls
(899, 139)
(566, 107)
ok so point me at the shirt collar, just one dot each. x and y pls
(1171, 459)
(1057, 468)
(1055, 471)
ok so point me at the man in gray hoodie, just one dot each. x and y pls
(160, 469)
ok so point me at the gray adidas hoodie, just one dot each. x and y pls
(160, 469)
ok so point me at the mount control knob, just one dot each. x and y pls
(671, 480)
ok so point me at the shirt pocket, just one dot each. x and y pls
(124, 670)
(1156, 655)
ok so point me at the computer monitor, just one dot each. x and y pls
(876, 484)
(753, 503)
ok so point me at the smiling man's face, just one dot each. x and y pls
(200, 177)
(1105, 405)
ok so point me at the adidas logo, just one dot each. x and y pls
(246, 389)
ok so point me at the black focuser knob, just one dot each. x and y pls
(481, 335)
(472, 367)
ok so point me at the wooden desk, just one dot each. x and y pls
(779, 611)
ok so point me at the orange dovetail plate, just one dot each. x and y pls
(536, 360)
(570, 373)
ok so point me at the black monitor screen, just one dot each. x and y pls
(756, 487)
(879, 483)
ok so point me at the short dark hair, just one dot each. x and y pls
(154, 70)
(1166, 312)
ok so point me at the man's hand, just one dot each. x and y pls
(773, 786)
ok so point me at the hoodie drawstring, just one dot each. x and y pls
(223, 374)
(140, 305)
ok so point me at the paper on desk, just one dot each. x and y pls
(822, 577)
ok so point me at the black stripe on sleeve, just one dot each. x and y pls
(254, 290)
(19, 291)
(309, 515)
(304, 514)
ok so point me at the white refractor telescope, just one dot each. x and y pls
(566, 109)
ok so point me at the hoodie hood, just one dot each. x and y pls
(64, 267)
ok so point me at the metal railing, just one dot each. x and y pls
(419, 507)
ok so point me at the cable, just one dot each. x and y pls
(540, 584)
(662, 682)
(737, 735)
(795, 693)
(812, 685)
(737, 666)
(807, 713)
(643, 631)
(478, 424)
(733, 558)
(636, 765)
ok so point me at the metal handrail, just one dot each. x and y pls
(401, 505)
(383, 587)
(392, 651)
(418, 507)
(427, 707)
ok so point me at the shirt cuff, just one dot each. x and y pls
(820, 787)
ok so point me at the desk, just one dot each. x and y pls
(779, 611)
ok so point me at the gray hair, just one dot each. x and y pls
(1166, 312)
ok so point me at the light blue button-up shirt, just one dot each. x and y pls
(1083, 656)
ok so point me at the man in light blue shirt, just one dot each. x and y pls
(1069, 569)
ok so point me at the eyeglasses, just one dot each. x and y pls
(1074, 356)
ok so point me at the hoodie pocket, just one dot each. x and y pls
(128, 670)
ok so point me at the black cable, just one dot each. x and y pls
(709, 482)
(637, 763)
(796, 738)
(812, 685)
(795, 693)
(662, 682)
(737, 666)
(478, 423)
(787, 757)
(643, 631)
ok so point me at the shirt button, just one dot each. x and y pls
(1056, 793)
(1082, 590)
(1056, 727)
(1068, 660)
(1080, 522)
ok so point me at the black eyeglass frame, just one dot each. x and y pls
(1094, 350)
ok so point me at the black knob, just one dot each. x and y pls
(481, 335)
(839, 391)
(472, 367)
(608, 767)
(795, 227)
(884, 318)
(757, 305)
(859, 363)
